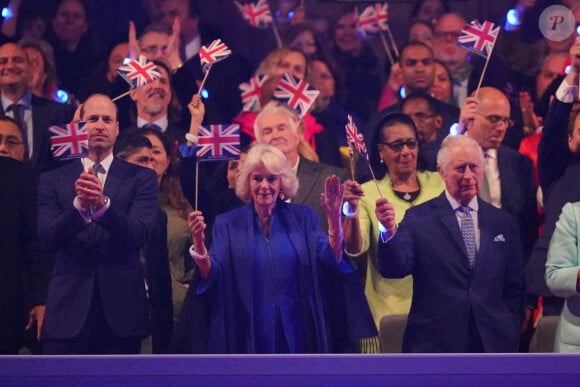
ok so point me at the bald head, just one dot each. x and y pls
(492, 119)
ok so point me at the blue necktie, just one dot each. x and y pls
(468, 233)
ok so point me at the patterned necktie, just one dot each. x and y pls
(468, 233)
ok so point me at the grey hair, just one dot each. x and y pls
(274, 107)
(462, 141)
(275, 162)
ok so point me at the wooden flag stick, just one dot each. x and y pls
(482, 75)
(387, 49)
(374, 179)
(121, 96)
(352, 166)
(395, 49)
(277, 35)
(203, 81)
(196, 182)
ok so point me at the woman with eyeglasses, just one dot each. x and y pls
(394, 154)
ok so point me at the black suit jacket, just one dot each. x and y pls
(25, 269)
(103, 253)
(428, 245)
(45, 113)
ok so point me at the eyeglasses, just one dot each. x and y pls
(397, 146)
(10, 141)
(421, 116)
(495, 119)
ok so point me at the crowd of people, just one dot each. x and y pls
(463, 218)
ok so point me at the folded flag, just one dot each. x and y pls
(218, 142)
(69, 141)
(257, 15)
(374, 19)
(139, 72)
(251, 93)
(382, 15)
(296, 93)
(479, 38)
(355, 139)
(215, 52)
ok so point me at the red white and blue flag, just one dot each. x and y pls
(479, 38)
(215, 52)
(257, 15)
(355, 139)
(374, 19)
(296, 93)
(139, 72)
(218, 142)
(69, 141)
(251, 92)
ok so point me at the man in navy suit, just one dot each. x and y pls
(466, 260)
(96, 214)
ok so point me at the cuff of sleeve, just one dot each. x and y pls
(98, 214)
(567, 93)
(347, 213)
(84, 212)
(197, 256)
(191, 138)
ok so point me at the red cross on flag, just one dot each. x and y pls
(218, 142)
(257, 15)
(139, 72)
(215, 52)
(69, 141)
(479, 38)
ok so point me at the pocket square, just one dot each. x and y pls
(499, 238)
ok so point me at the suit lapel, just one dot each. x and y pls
(115, 177)
(305, 176)
(485, 232)
(449, 220)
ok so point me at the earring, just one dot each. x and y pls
(381, 161)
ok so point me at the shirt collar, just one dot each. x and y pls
(105, 163)
(162, 122)
(25, 101)
(473, 205)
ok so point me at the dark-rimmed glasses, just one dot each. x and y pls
(397, 146)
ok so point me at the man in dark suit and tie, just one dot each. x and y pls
(34, 114)
(96, 214)
(466, 260)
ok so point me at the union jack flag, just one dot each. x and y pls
(215, 52)
(355, 139)
(69, 141)
(382, 15)
(479, 38)
(218, 142)
(367, 22)
(139, 72)
(251, 92)
(258, 15)
(296, 93)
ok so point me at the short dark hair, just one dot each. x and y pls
(431, 102)
(130, 144)
(12, 121)
(416, 44)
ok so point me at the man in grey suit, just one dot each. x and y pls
(277, 125)
(465, 258)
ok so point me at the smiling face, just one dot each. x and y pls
(70, 22)
(346, 36)
(401, 162)
(264, 187)
(14, 67)
(293, 63)
(463, 173)
(152, 100)
(277, 129)
(102, 127)
(160, 157)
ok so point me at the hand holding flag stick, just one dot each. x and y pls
(356, 142)
(479, 39)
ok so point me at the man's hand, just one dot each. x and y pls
(134, 49)
(89, 191)
(197, 110)
(467, 114)
(36, 316)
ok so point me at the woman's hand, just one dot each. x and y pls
(385, 213)
(331, 198)
(353, 192)
(197, 110)
(197, 226)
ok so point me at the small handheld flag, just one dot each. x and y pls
(215, 52)
(257, 15)
(479, 38)
(295, 93)
(355, 139)
(251, 92)
(69, 141)
(139, 72)
(218, 142)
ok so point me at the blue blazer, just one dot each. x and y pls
(429, 246)
(103, 253)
